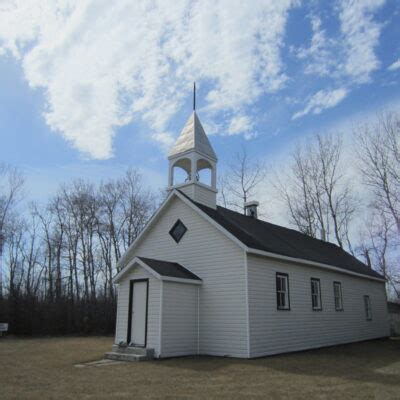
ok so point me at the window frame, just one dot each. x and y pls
(340, 297)
(319, 306)
(287, 292)
(178, 222)
(368, 307)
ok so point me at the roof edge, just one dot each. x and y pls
(312, 263)
(137, 260)
(186, 152)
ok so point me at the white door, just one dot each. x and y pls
(139, 311)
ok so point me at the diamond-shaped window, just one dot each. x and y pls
(178, 230)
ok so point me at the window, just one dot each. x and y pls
(368, 311)
(337, 292)
(178, 230)
(282, 291)
(316, 294)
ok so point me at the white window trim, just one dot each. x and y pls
(339, 297)
(318, 294)
(368, 308)
(285, 292)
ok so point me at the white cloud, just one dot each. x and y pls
(103, 64)
(350, 54)
(361, 35)
(348, 58)
(322, 100)
(240, 124)
(394, 66)
(319, 54)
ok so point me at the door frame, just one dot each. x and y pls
(129, 333)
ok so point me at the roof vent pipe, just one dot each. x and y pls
(250, 208)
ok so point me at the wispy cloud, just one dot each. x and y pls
(394, 66)
(348, 58)
(241, 124)
(104, 64)
(322, 100)
(318, 55)
(361, 35)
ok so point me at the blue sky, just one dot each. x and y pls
(88, 89)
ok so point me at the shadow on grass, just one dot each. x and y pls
(373, 361)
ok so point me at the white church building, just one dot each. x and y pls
(205, 280)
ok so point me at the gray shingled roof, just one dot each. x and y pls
(170, 269)
(262, 235)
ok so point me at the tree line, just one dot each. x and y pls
(59, 258)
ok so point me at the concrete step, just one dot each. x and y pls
(140, 351)
(125, 357)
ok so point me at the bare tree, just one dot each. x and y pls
(296, 188)
(317, 195)
(11, 183)
(380, 249)
(138, 205)
(378, 147)
(241, 180)
(379, 151)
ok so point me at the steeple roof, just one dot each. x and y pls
(193, 137)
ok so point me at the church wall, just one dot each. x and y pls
(179, 319)
(275, 331)
(219, 262)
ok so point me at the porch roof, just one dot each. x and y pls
(160, 269)
(169, 269)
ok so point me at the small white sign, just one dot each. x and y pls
(3, 327)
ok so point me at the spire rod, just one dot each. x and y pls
(194, 96)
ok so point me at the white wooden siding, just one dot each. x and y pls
(179, 319)
(273, 331)
(217, 260)
(153, 321)
(201, 194)
(188, 190)
(205, 196)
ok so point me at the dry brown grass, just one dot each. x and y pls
(44, 369)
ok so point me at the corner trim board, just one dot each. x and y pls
(246, 271)
(161, 315)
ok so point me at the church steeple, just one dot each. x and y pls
(193, 137)
(193, 153)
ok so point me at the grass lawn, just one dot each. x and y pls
(44, 369)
